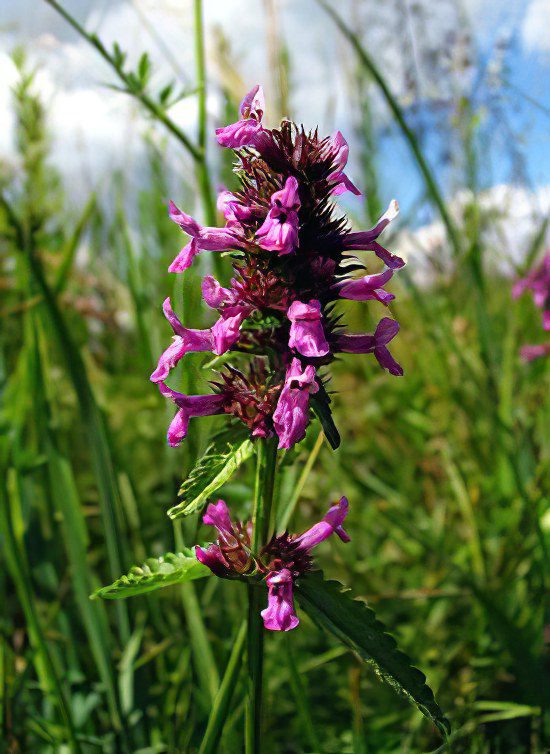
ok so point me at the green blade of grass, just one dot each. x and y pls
(93, 421)
(65, 497)
(299, 692)
(220, 707)
(11, 527)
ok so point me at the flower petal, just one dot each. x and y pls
(184, 259)
(306, 331)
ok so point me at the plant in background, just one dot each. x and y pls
(293, 258)
(538, 282)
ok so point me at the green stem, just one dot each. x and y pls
(203, 175)
(261, 516)
(263, 497)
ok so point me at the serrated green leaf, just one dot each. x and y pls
(221, 459)
(330, 605)
(155, 573)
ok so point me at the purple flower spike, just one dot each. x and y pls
(366, 239)
(339, 148)
(245, 131)
(331, 524)
(279, 614)
(385, 331)
(184, 341)
(306, 331)
(367, 287)
(291, 416)
(292, 258)
(279, 231)
(189, 406)
(202, 238)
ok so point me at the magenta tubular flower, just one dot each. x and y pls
(339, 150)
(279, 231)
(293, 554)
(330, 524)
(227, 331)
(189, 406)
(245, 132)
(366, 287)
(291, 415)
(184, 341)
(385, 331)
(366, 239)
(306, 331)
(202, 239)
(218, 339)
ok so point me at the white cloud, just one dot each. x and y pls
(534, 31)
(513, 216)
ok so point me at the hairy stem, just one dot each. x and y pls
(261, 516)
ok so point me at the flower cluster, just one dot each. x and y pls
(293, 258)
(279, 563)
(538, 282)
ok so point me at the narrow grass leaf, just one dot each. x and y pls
(11, 531)
(220, 708)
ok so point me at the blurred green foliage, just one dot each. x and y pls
(446, 471)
